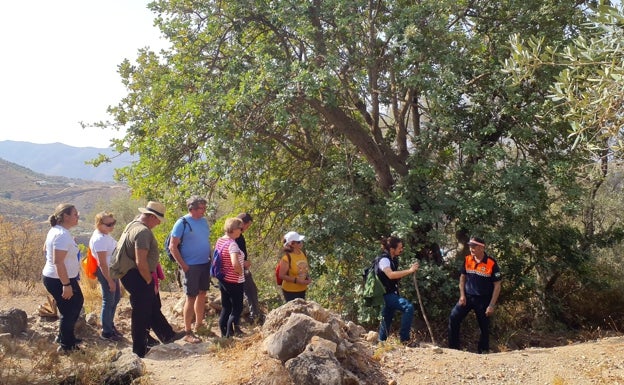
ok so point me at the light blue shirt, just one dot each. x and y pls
(195, 248)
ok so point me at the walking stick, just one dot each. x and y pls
(422, 309)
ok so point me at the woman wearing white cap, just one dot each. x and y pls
(294, 268)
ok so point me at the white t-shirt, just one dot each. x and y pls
(383, 263)
(102, 242)
(59, 238)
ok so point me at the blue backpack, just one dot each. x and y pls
(216, 265)
(168, 239)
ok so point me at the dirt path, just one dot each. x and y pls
(244, 362)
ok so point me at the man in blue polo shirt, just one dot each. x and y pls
(193, 257)
(479, 288)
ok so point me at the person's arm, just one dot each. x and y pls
(175, 251)
(142, 265)
(101, 255)
(462, 289)
(238, 268)
(495, 294)
(400, 273)
(58, 259)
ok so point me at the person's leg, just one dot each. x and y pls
(407, 308)
(391, 304)
(69, 310)
(159, 324)
(200, 309)
(190, 282)
(458, 314)
(251, 292)
(141, 301)
(236, 293)
(200, 302)
(226, 309)
(480, 305)
(108, 305)
(116, 299)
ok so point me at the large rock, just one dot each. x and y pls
(293, 336)
(318, 365)
(14, 321)
(318, 347)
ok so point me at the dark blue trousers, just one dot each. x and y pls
(69, 309)
(479, 304)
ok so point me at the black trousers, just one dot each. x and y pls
(251, 292)
(231, 307)
(69, 309)
(479, 304)
(146, 312)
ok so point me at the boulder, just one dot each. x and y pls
(13, 321)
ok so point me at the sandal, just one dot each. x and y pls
(191, 338)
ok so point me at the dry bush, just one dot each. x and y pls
(21, 251)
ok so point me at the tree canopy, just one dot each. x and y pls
(354, 120)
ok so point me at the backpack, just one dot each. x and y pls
(374, 289)
(89, 265)
(216, 265)
(168, 239)
(278, 280)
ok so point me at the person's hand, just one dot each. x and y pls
(112, 286)
(247, 264)
(414, 267)
(68, 292)
(489, 311)
(462, 301)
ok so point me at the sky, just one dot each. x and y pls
(58, 66)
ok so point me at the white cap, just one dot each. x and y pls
(292, 236)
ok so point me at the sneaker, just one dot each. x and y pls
(151, 341)
(176, 336)
(58, 340)
(68, 349)
(110, 337)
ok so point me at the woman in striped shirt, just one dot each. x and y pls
(232, 285)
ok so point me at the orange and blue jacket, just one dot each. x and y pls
(480, 276)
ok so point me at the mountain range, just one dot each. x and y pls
(57, 159)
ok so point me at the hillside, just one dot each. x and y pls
(61, 159)
(25, 194)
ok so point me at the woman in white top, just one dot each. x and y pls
(102, 245)
(61, 271)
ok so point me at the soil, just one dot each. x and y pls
(242, 361)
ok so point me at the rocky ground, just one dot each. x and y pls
(243, 361)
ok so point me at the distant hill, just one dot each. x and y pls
(63, 160)
(25, 194)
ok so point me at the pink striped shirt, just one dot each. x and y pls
(227, 246)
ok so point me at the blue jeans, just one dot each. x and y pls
(109, 304)
(392, 303)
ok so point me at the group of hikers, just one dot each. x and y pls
(133, 261)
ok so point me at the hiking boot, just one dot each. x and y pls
(117, 332)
